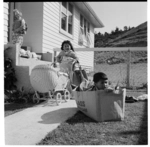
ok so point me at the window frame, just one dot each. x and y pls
(65, 32)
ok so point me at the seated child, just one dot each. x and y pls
(66, 51)
(100, 80)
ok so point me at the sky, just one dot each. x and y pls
(119, 14)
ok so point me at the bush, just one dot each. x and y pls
(12, 94)
(9, 76)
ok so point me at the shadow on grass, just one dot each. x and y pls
(78, 118)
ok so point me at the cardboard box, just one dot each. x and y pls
(101, 105)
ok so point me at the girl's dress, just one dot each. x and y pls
(66, 60)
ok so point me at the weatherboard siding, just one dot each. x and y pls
(52, 38)
(6, 17)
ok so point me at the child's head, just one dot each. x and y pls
(66, 46)
(101, 80)
(17, 14)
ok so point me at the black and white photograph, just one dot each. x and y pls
(75, 73)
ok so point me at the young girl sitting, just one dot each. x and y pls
(66, 51)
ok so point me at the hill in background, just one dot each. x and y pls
(130, 37)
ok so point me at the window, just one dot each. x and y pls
(66, 18)
(84, 32)
(81, 21)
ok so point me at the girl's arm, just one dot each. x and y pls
(59, 57)
(74, 55)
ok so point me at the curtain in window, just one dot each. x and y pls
(81, 36)
(70, 18)
(63, 21)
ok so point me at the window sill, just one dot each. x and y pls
(66, 34)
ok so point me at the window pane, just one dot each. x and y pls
(70, 8)
(88, 27)
(70, 28)
(70, 18)
(81, 20)
(70, 14)
(63, 21)
(64, 7)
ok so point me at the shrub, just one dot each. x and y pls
(12, 94)
(9, 76)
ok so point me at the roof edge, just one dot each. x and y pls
(93, 13)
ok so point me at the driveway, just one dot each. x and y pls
(31, 125)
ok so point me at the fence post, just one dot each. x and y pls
(128, 68)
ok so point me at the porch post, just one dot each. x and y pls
(55, 53)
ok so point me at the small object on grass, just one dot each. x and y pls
(131, 99)
(142, 97)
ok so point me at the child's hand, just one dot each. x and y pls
(108, 89)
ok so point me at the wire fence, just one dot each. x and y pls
(128, 68)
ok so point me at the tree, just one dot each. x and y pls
(106, 34)
(99, 34)
(125, 28)
(117, 30)
(112, 32)
(129, 28)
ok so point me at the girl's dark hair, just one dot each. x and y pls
(68, 42)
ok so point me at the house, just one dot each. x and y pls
(50, 23)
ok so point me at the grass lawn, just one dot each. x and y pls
(82, 130)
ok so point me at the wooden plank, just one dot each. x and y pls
(5, 4)
(5, 16)
(6, 11)
(108, 49)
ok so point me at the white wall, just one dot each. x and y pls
(52, 38)
(33, 15)
(6, 17)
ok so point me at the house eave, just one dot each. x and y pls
(86, 9)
